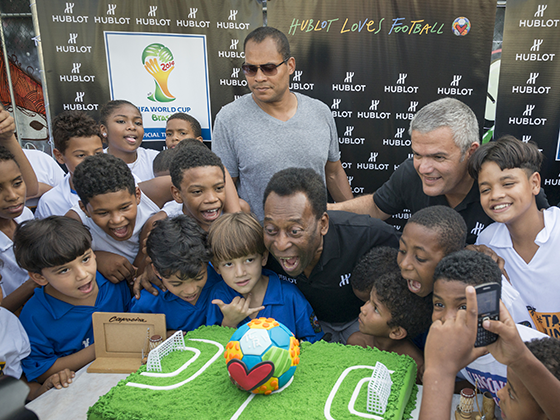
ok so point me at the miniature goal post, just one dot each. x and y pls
(379, 389)
(175, 342)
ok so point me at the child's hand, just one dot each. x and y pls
(145, 281)
(7, 124)
(237, 310)
(114, 267)
(60, 380)
(450, 345)
(509, 348)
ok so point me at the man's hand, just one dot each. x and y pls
(495, 257)
(114, 267)
(237, 310)
(145, 281)
(450, 344)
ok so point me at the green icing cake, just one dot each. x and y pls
(207, 392)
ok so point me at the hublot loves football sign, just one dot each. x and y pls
(375, 64)
(529, 91)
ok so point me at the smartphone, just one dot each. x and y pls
(488, 300)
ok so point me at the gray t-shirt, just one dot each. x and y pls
(254, 145)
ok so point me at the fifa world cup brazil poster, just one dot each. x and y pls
(149, 69)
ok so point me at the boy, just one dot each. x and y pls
(198, 183)
(111, 205)
(162, 162)
(180, 259)
(452, 275)
(14, 347)
(76, 136)
(393, 315)
(428, 236)
(179, 127)
(527, 239)
(249, 291)
(532, 370)
(57, 253)
(378, 261)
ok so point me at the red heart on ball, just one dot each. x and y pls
(249, 380)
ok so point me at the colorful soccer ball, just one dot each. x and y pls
(461, 26)
(262, 356)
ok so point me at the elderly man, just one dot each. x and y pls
(317, 250)
(272, 128)
(443, 136)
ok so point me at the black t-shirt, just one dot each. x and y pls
(404, 191)
(328, 289)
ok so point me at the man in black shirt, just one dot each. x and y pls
(317, 250)
(443, 136)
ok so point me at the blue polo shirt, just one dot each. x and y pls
(282, 301)
(58, 329)
(179, 315)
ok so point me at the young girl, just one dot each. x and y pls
(122, 129)
(15, 174)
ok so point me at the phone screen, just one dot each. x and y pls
(487, 302)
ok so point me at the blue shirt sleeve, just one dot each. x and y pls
(307, 325)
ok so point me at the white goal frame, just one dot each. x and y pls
(175, 342)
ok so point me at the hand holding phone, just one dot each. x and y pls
(488, 301)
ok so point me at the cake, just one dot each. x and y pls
(322, 387)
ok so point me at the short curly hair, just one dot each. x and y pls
(50, 242)
(73, 124)
(191, 155)
(547, 351)
(408, 310)
(178, 246)
(102, 174)
(291, 181)
(376, 262)
(5, 155)
(448, 223)
(195, 125)
(470, 267)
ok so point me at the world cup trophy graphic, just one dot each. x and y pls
(158, 62)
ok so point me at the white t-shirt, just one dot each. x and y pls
(46, 169)
(129, 248)
(13, 275)
(536, 282)
(14, 344)
(57, 201)
(172, 208)
(143, 166)
(490, 374)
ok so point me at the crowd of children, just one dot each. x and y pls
(125, 216)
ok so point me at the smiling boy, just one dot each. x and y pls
(527, 238)
(249, 291)
(76, 136)
(180, 258)
(57, 253)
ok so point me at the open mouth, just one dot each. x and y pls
(414, 286)
(500, 207)
(120, 232)
(211, 215)
(15, 208)
(131, 139)
(289, 264)
(86, 288)
(191, 298)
